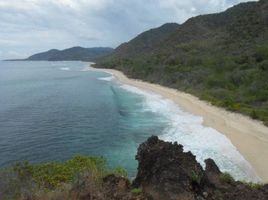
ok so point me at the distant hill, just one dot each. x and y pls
(222, 58)
(74, 53)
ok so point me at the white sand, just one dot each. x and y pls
(249, 136)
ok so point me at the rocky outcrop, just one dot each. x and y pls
(167, 173)
(119, 188)
(111, 188)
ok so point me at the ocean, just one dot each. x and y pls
(51, 111)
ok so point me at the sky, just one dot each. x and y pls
(31, 26)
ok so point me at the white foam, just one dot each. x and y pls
(85, 69)
(56, 64)
(109, 78)
(65, 68)
(204, 142)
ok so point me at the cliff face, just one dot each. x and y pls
(165, 172)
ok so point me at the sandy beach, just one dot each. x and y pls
(249, 136)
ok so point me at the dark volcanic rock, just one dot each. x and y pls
(167, 173)
(112, 188)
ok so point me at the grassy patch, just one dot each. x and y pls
(25, 179)
(254, 185)
(226, 178)
(137, 191)
(196, 178)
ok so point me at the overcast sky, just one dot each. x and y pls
(30, 26)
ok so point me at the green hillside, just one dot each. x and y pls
(74, 53)
(221, 58)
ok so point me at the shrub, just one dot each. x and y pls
(25, 179)
(196, 178)
(262, 52)
(136, 191)
(226, 178)
(53, 174)
(119, 171)
(264, 65)
(253, 114)
(254, 185)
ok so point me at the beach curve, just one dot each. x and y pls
(249, 136)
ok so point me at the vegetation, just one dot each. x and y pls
(74, 53)
(89, 178)
(196, 178)
(226, 178)
(254, 185)
(28, 180)
(136, 191)
(221, 58)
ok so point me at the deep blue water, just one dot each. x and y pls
(54, 110)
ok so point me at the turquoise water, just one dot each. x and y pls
(55, 110)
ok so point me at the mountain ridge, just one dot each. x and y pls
(148, 37)
(69, 54)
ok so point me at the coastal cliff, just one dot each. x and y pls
(165, 172)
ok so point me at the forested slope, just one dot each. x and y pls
(221, 58)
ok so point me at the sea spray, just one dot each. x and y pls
(108, 78)
(65, 68)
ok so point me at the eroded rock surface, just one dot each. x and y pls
(167, 173)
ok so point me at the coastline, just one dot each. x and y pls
(249, 136)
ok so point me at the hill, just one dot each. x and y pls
(74, 53)
(221, 58)
(146, 42)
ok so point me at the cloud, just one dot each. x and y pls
(30, 26)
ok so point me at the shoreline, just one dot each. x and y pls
(249, 136)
